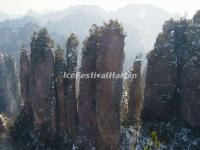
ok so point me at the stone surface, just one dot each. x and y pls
(40, 79)
(59, 68)
(70, 84)
(172, 83)
(135, 92)
(86, 100)
(41, 73)
(99, 99)
(9, 85)
(24, 76)
(110, 56)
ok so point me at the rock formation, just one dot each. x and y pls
(59, 68)
(9, 85)
(86, 100)
(172, 84)
(52, 96)
(24, 76)
(41, 72)
(135, 92)
(99, 99)
(110, 56)
(70, 88)
(189, 75)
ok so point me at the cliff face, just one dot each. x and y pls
(190, 81)
(110, 57)
(53, 99)
(41, 71)
(24, 76)
(40, 79)
(160, 79)
(135, 92)
(70, 88)
(59, 68)
(86, 100)
(99, 99)
(9, 85)
(172, 84)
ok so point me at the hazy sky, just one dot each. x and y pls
(22, 6)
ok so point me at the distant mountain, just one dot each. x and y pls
(31, 13)
(142, 23)
(16, 32)
(3, 16)
(57, 15)
(78, 22)
(146, 18)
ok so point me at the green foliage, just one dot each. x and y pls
(4, 124)
(72, 42)
(60, 64)
(94, 30)
(127, 122)
(40, 42)
(113, 25)
(22, 128)
(72, 53)
(59, 53)
(169, 25)
(25, 135)
(45, 39)
(91, 42)
(63, 142)
(154, 143)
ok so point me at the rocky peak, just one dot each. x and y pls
(99, 99)
(135, 92)
(41, 72)
(110, 57)
(172, 73)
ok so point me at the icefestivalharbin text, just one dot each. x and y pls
(95, 75)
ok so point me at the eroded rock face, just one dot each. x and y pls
(9, 85)
(70, 88)
(86, 100)
(99, 99)
(190, 81)
(40, 79)
(160, 80)
(135, 92)
(24, 76)
(41, 72)
(110, 56)
(59, 68)
(172, 83)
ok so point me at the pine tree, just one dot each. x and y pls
(40, 42)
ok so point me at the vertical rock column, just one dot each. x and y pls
(41, 71)
(86, 100)
(9, 85)
(59, 68)
(110, 55)
(190, 85)
(70, 89)
(24, 76)
(135, 93)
